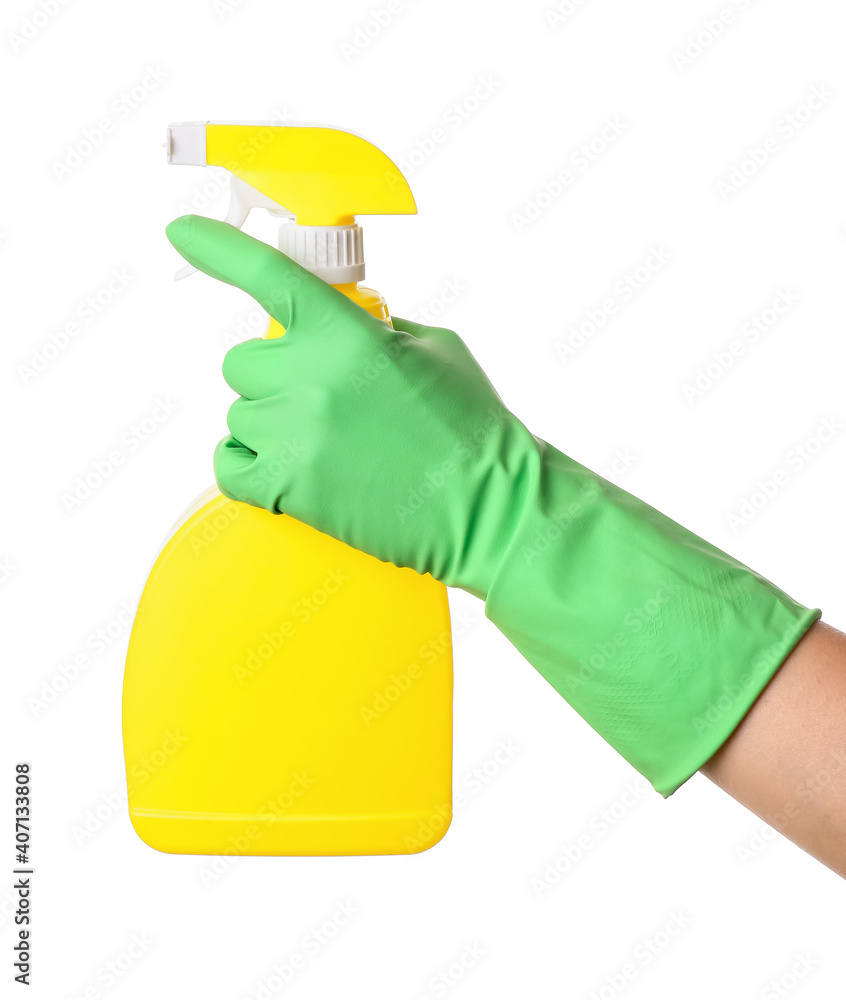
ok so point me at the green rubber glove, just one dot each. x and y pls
(394, 441)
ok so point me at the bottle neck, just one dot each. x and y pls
(333, 253)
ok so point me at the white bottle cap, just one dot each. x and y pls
(333, 253)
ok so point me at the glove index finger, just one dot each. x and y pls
(275, 281)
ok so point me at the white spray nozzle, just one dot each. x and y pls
(243, 197)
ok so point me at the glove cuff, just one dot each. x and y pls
(659, 640)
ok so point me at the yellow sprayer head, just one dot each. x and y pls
(320, 177)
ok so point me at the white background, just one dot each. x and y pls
(555, 82)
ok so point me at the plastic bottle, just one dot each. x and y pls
(286, 694)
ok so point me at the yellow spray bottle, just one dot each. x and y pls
(286, 694)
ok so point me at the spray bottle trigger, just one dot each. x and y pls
(242, 198)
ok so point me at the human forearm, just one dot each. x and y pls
(786, 761)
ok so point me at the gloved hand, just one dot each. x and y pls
(394, 441)
(389, 439)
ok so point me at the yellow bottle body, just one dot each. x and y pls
(284, 693)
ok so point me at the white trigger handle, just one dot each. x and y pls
(242, 198)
